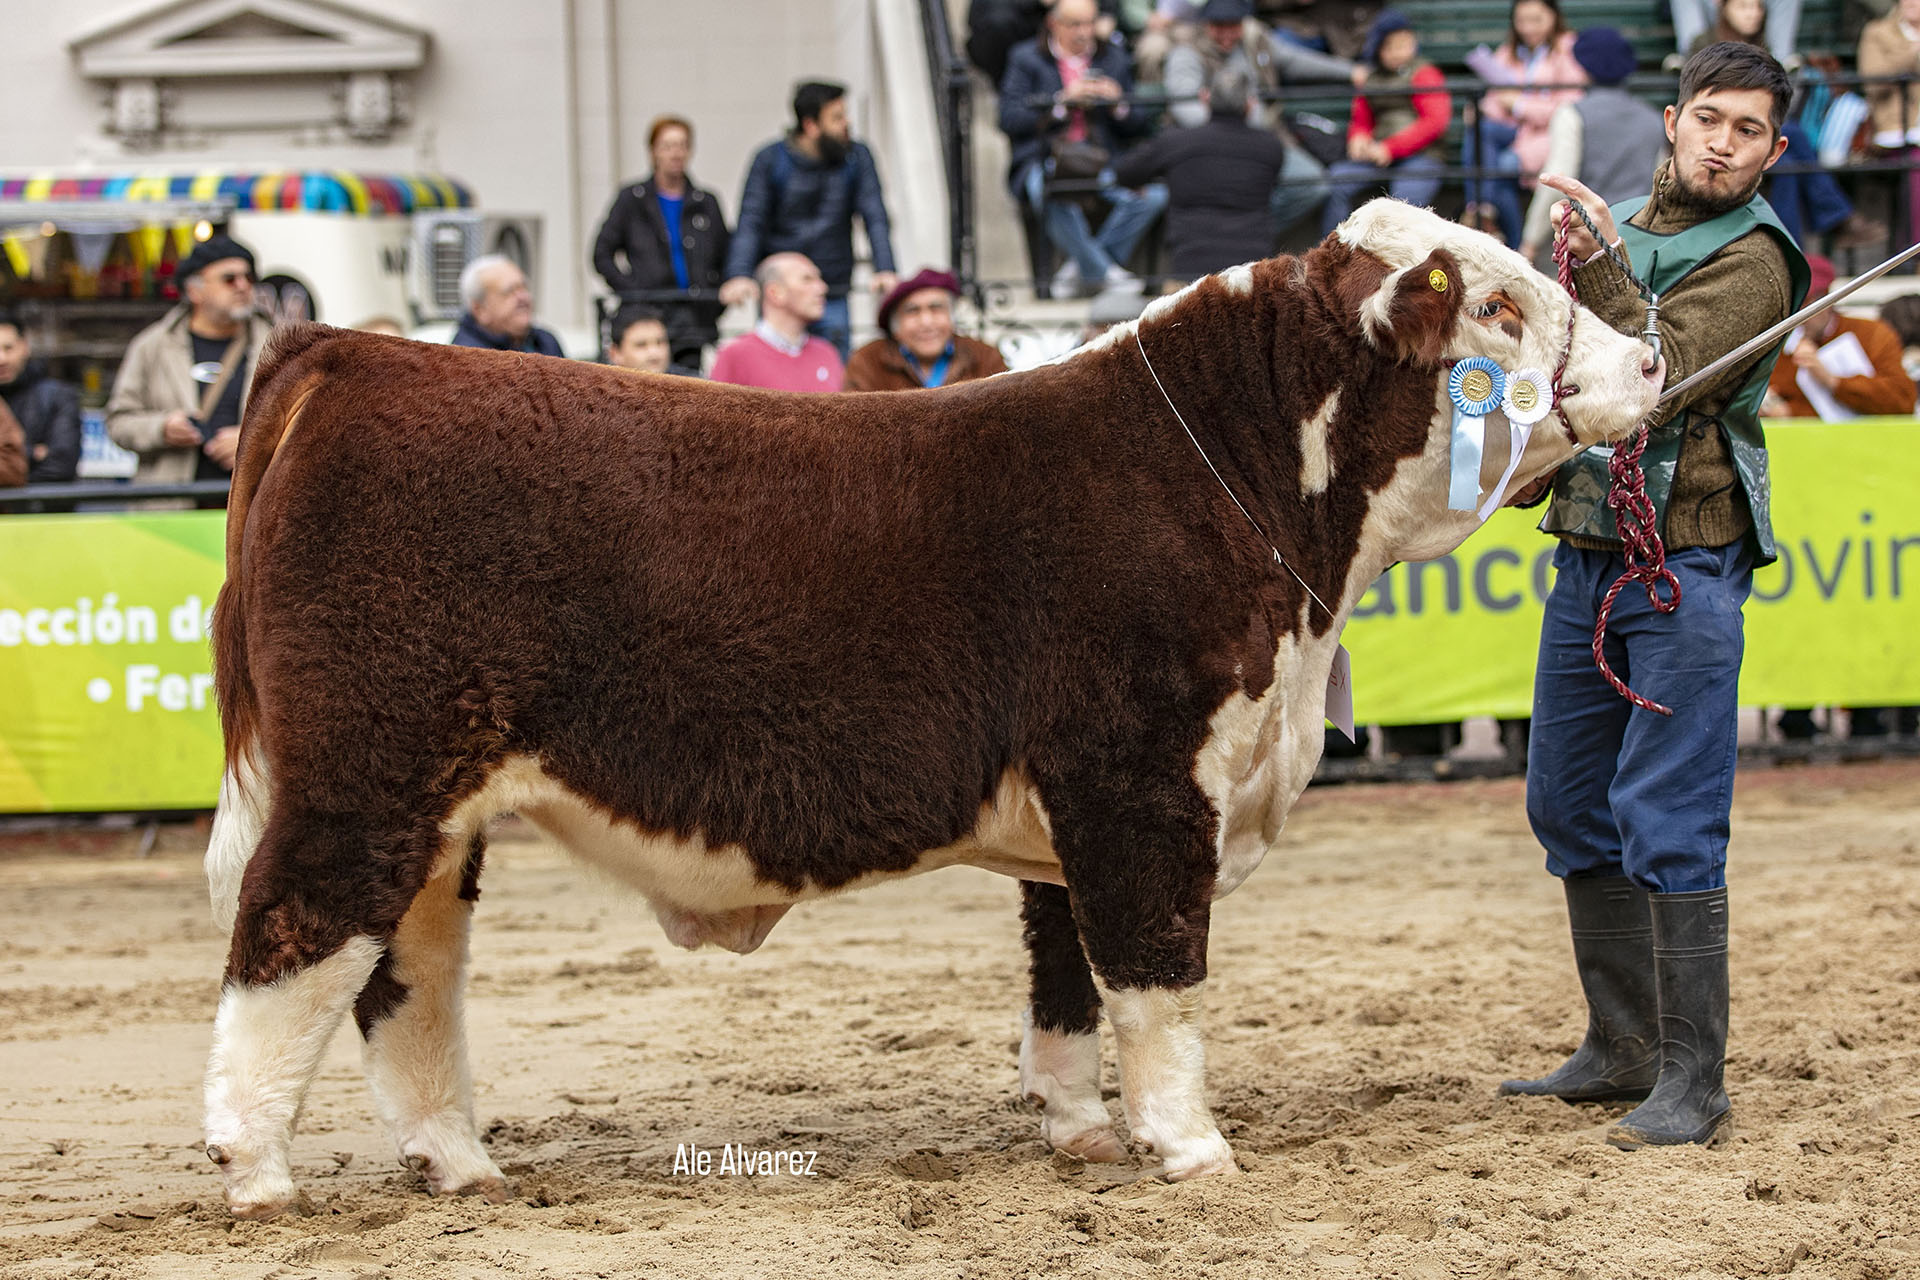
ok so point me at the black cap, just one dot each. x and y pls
(1224, 11)
(216, 248)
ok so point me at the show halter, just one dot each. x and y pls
(1633, 514)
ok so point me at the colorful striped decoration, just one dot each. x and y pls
(312, 190)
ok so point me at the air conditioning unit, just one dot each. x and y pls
(446, 240)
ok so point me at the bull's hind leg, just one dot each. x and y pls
(1060, 1040)
(415, 1041)
(315, 908)
(1138, 859)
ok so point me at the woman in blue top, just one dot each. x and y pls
(666, 235)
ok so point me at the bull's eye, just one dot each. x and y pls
(1489, 310)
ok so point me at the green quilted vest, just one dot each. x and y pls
(1580, 490)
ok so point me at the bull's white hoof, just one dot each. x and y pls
(1095, 1146)
(1203, 1159)
(257, 1188)
(444, 1151)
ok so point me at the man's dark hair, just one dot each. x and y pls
(811, 98)
(629, 315)
(1732, 65)
(8, 316)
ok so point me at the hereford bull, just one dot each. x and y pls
(745, 648)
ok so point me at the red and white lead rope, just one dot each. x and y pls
(1633, 516)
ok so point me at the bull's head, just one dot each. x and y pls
(1446, 294)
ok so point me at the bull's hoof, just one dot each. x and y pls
(257, 1186)
(1196, 1158)
(1095, 1146)
(448, 1178)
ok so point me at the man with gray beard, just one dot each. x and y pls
(183, 385)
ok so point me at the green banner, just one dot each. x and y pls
(106, 687)
(1836, 621)
(106, 699)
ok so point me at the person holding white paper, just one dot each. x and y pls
(1839, 367)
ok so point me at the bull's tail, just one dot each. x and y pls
(281, 386)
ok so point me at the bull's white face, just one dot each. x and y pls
(1517, 317)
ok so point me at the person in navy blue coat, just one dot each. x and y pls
(801, 195)
(1070, 87)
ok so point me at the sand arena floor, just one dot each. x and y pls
(1397, 956)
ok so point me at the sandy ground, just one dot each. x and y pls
(1396, 957)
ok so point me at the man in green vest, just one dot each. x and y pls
(1633, 807)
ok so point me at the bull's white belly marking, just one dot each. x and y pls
(1011, 836)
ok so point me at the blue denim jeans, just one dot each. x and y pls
(1415, 180)
(1129, 215)
(835, 325)
(1612, 789)
(1490, 146)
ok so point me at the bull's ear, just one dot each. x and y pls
(1413, 312)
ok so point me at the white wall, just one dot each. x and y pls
(540, 106)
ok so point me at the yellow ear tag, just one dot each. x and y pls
(1437, 279)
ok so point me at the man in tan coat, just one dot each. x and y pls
(182, 387)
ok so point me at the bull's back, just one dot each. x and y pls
(773, 620)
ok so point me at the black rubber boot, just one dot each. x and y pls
(1613, 950)
(1688, 1103)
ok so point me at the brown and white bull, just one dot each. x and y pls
(743, 648)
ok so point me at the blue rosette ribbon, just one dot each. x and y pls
(1476, 386)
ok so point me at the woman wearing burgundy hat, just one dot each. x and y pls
(920, 349)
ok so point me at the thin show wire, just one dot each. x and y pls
(1278, 558)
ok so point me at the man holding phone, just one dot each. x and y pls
(182, 387)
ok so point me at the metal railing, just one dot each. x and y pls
(101, 495)
(953, 105)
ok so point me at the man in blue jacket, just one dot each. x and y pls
(801, 194)
(1064, 98)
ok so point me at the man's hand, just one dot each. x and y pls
(737, 290)
(178, 431)
(1579, 240)
(1807, 359)
(1359, 75)
(1091, 90)
(1360, 147)
(883, 282)
(224, 445)
(40, 453)
(1532, 492)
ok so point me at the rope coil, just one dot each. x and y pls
(1633, 515)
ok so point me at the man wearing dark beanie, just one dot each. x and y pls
(183, 384)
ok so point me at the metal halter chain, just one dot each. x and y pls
(1633, 515)
(1277, 557)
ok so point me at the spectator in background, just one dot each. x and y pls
(1338, 27)
(664, 234)
(1063, 108)
(1233, 38)
(183, 384)
(994, 27)
(1775, 27)
(920, 348)
(13, 453)
(801, 195)
(781, 353)
(1886, 390)
(1394, 136)
(1902, 315)
(1890, 46)
(1220, 177)
(1607, 138)
(499, 311)
(44, 410)
(1511, 135)
(637, 339)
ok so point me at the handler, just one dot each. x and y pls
(1632, 806)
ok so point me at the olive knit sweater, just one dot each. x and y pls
(1726, 300)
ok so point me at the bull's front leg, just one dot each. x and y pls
(1139, 865)
(1060, 1032)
